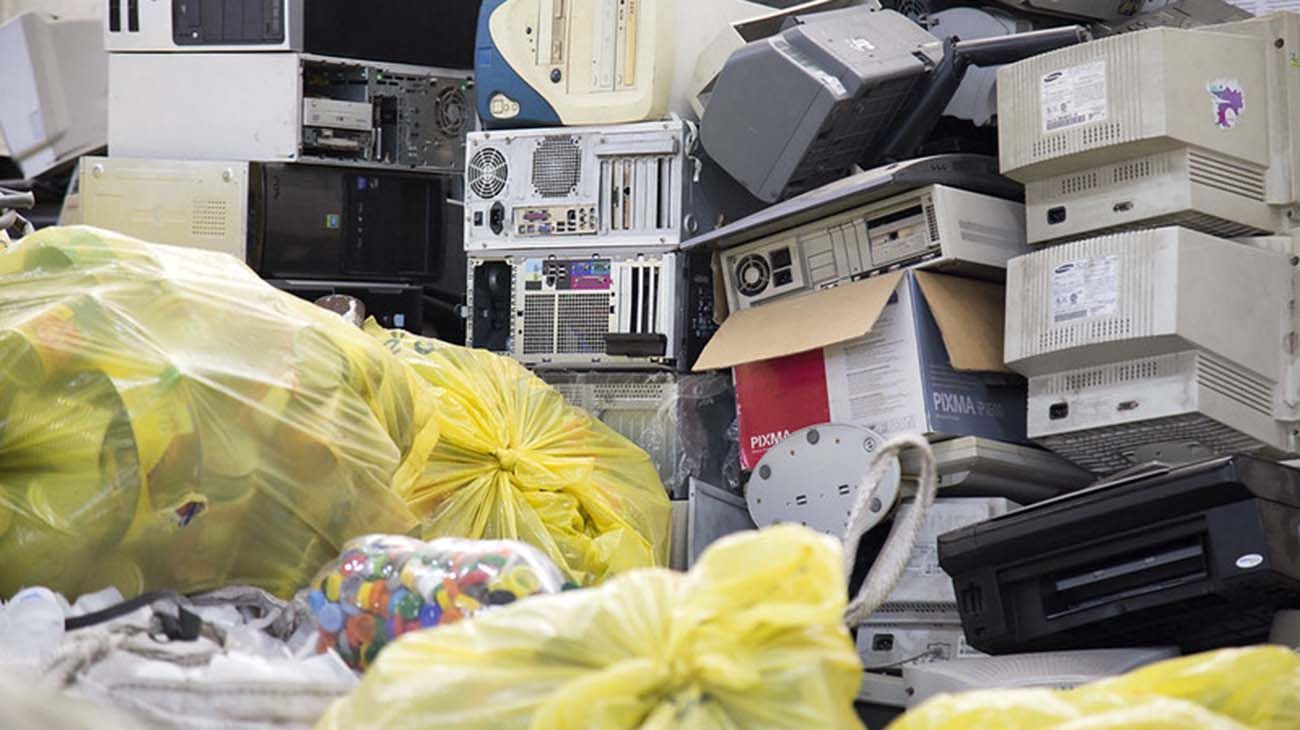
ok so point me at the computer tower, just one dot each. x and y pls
(1164, 343)
(288, 107)
(634, 186)
(935, 227)
(549, 63)
(398, 31)
(565, 309)
(799, 109)
(680, 420)
(1158, 127)
(287, 221)
(1198, 557)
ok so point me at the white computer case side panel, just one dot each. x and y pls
(205, 106)
(154, 28)
(188, 203)
(627, 186)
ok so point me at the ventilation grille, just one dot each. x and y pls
(936, 612)
(539, 324)
(1075, 184)
(636, 193)
(557, 166)
(632, 395)
(582, 323)
(1110, 449)
(487, 173)
(1226, 175)
(1106, 376)
(1135, 170)
(1231, 382)
(452, 112)
(932, 222)
(1213, 225)
(208, 218)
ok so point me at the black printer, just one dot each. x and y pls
(1198, 557)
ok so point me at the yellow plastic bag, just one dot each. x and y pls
(1231, 689)
(516, 462)
(752, 638)
(168, 420)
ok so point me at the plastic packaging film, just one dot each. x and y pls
(681, 420)
(168, 420)
(384, 586)
(1231, 689)
(515, 461)
(751, 638)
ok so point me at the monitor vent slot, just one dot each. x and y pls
(1109, 375)
(582, 323)
(557, 166)
(1226, 175)
(1235, 384)
(1135, 170)
(539, 324)
(1074, 184)
(208, 218)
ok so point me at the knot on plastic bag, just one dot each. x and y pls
(507, 458)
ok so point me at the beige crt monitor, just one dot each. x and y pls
(1160, 127)
(1164, 344)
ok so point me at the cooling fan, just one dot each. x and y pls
(453, 112)
(487, 173)
(753, 274)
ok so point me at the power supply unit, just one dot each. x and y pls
(934, 227)
(1159, 127)
(289, 107)
(1164, 344)
(572, 309)
(635, 186)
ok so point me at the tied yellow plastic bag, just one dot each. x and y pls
(752, 638)
(1231, 689)
(169, 420)
(516, 462)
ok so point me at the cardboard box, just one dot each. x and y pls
(909, 351)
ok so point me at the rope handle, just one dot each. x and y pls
(888, 568)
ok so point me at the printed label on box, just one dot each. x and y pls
(1085, 288)
(1073, 96)
(875, 381)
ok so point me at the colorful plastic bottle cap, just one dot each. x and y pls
(409, 607)
(352, 561)
(330, 618)
(332, 587)
(316, 600)
(361, 629)
(430, 615)
(501, 598)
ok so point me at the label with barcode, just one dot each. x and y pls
(1073, 96)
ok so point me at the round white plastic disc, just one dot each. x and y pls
(811, 478)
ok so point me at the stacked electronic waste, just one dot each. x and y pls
(1055, 238)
